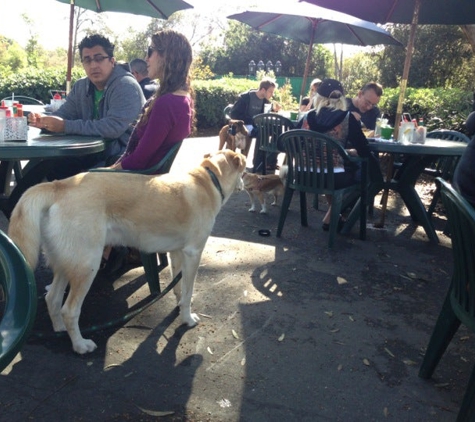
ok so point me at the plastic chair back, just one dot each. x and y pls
(459, 305)
(19, 291)
(311, 158)
(227, 111)
(23, 99)
(269, 127)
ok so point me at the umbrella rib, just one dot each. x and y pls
(98, 6)
(153, 6)
(391, 10)
(362, 43)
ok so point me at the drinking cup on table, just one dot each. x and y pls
(294, 115)
(386, 132)
(267, 108)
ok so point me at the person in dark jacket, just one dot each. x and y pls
(330, 116)
(138, 67)
(250, 104)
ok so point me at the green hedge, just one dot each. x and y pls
(440, 108)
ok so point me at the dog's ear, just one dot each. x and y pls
(239, 161)
(207, 155)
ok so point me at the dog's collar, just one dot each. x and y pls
(215, 181)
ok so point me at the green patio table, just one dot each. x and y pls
(39, 150)
(417, 158)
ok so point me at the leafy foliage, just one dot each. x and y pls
(243, 44)
(442, 57)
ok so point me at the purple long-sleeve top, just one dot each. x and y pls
(169, 122)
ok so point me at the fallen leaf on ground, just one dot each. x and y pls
(209, 350)
(281, 337)
(235, 335)
(366, 362)
(389, 352)
(409, 362)
(330, 314)
(341, 280)
(156, 412)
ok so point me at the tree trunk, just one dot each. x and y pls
(469, 31)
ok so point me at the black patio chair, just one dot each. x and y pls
(459, 304)
(23, 99)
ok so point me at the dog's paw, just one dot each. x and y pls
(263, 211)
(252, 209)
(84, 346)
(190, 319)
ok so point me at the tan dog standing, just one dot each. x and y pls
(235, 135)
(73, 219)
(258, 185)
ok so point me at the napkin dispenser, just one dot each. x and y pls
(16, 129)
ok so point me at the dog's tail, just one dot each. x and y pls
(25, 223)
(283, 173)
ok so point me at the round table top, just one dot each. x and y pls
(50, 146)
(430, 147)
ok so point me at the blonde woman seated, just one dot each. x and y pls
(312, 94)
(331, 117)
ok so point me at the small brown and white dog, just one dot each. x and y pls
(73, 219)
(258, 185)
(235, 135)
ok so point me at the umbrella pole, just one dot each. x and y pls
(307, 63)
(402, 93)
(70, 47)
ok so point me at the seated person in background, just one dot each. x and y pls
(105, 103)
(364, 104)
(312, 93)
(304, 103)
(168, 116)
(250, 104)
(138, 67)
(464, 176)
(166, 120)
(330, 116)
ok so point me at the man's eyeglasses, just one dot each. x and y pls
(368, 103)
(98, 58)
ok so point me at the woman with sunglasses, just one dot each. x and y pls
(167, 117)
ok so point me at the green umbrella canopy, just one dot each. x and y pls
(311, 24)
(161, 9)
(431, 12)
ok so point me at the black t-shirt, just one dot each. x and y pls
(369, 117)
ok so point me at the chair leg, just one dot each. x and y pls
(303, 209)
(284, 208)
(152, 269)
(433, 203)
(467, 409)
(337, 201)
(446, 326)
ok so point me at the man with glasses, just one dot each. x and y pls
(105, 103)
(364, 104)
